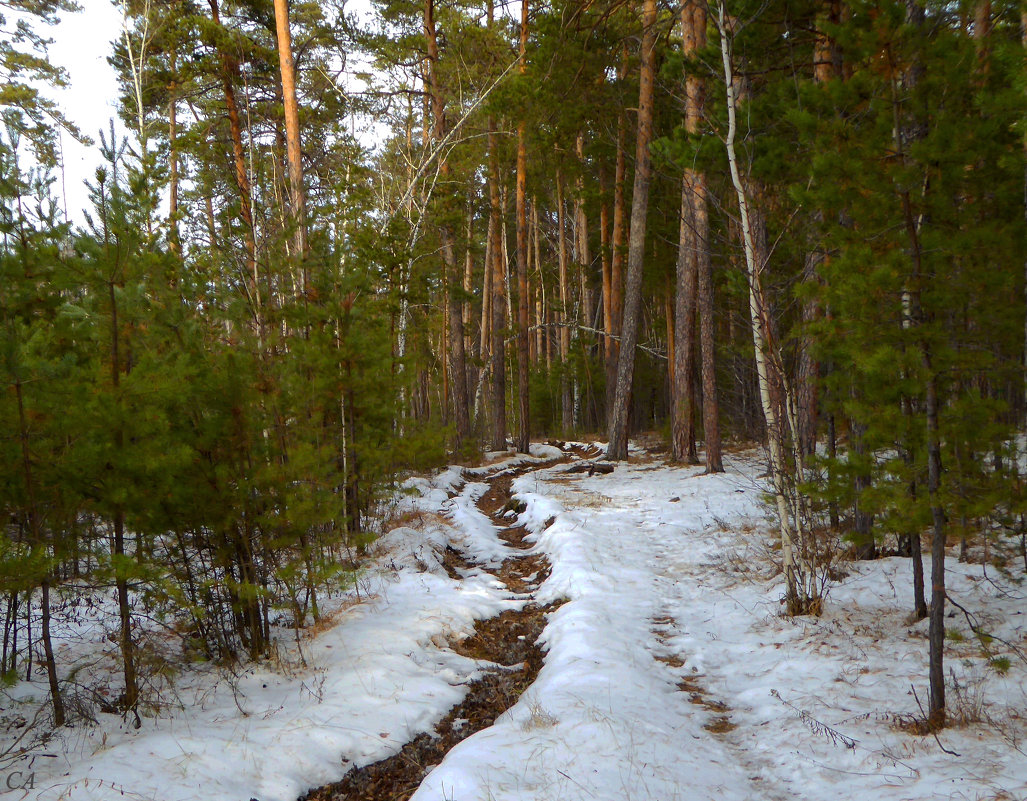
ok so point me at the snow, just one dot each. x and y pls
(672, 623)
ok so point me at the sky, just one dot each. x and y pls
(81, 45)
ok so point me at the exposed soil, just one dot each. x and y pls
(721, 722)
(508, 641)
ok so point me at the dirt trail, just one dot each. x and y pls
(508, 640)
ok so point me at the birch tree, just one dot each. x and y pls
(802, 592)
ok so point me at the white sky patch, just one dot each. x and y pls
(82, 43)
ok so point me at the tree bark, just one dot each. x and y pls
(581, 235)
(604, 246)
(229, 76)
(36, 533)
(458, 362)
(863, 536)
(174, 241)
(797, 597)
(524, 430)
(682, 367)
(826, 66)
(936, 625)
(468, 287)
(617, 249)
(566, 401)
(695, 99)
(287, 66)
(540, 287)
(498, 353)
(707, 343)
(618, 428)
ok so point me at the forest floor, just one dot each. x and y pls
(530, 633)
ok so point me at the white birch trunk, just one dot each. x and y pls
(799, 578)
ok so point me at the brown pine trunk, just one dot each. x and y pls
(174, 241)
(682, 367)
(826, 67)
(468, 281)
(448, 401)
(604, 246)
(229, 77)
(695, 89)
(566, 402)
(524, 431)
(540, 287)
(617, 252)
(498, 353)
(618, 428)
(707, 327)
(458, 361)
(982, 29)
(287, 65)
(936, 626)
(581, 234)
(484, 342)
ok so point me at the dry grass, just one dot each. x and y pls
(539, 718)
(413, 518)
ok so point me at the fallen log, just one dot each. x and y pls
(592, 468)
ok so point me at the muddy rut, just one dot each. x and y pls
(508, 640)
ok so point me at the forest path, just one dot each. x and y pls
(506, 645)
(626, 707)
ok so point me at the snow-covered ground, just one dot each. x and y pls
(671, 672)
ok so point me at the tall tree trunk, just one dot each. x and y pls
(695, 98)
(863, 535)
(540, 286)
(617, 248)
(618, 428)
(36, 534)
(524, 431)
(566, 401)
(604, 246)
(797, 596)
(298, 203)
(131, 697)
(581, 235)
(468, 286)
(826, 66)
(484, 340)
(707, 327)
(682, 367)
(1023, 46)
(229, 77)
(498, 353)
(174, 241)
(912, 129)
(902, 131)
(458, 361)
(936, 627)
